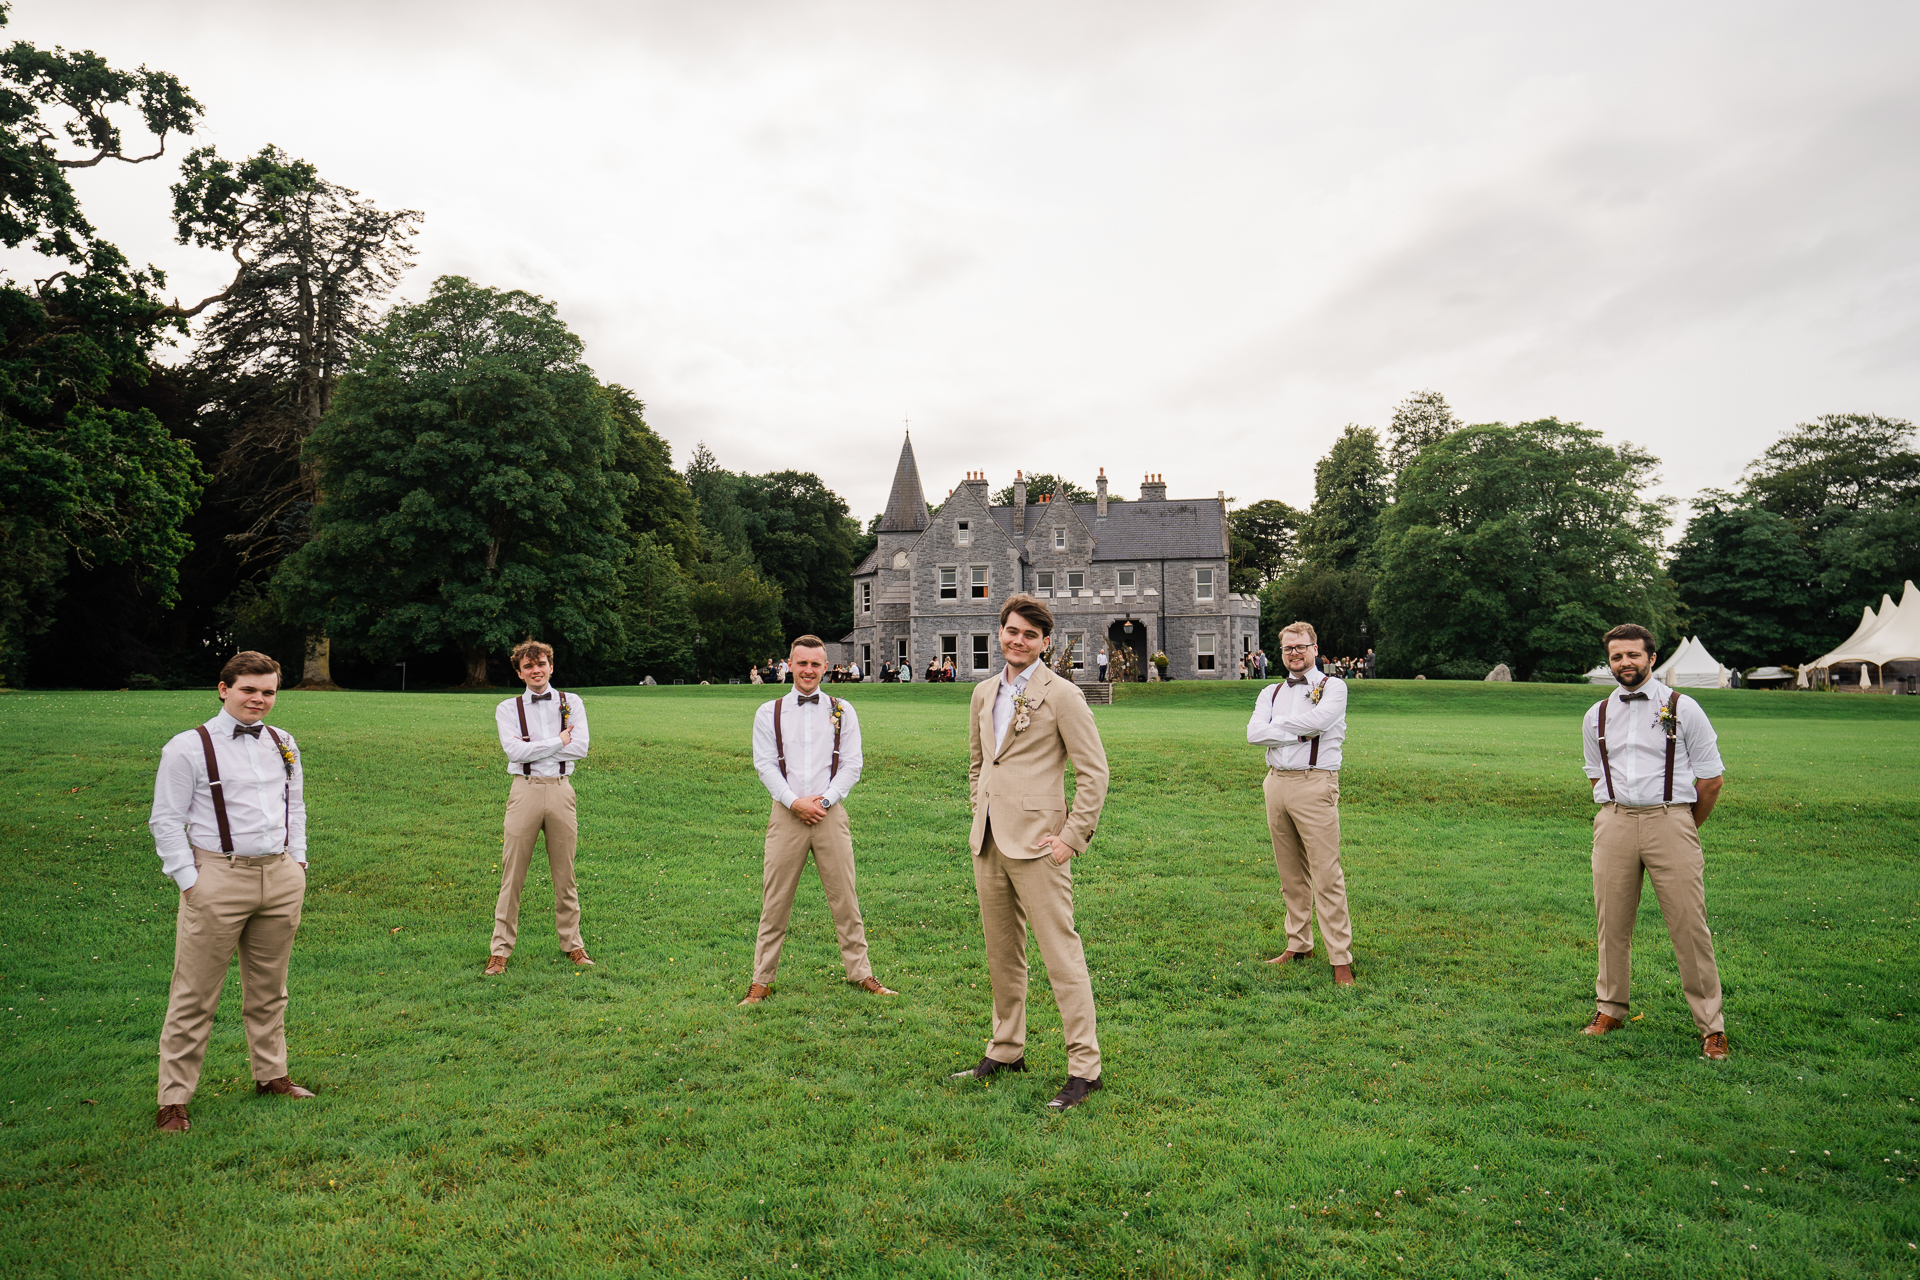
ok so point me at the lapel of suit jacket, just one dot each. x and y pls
(1038, 676)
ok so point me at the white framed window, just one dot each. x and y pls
(980, 653)
(1043, 583)
(866, 597)
(1076, 582)
(1127, 583)
(949, 582)
(950, 651)
(1059, 539)
(1077, 648)
(963, 534)
(1203, 651)
(977, 587)
(1203, 585)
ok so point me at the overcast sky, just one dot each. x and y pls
(1191, 238)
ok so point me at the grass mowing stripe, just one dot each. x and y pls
(629, 1120)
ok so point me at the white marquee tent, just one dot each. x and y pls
(1888, 636)
(1692, 667)
(1602, 674)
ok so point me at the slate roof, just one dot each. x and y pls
(871, 563)
(1177, 530)
(907, 504)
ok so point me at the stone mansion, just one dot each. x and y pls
(1149, 575)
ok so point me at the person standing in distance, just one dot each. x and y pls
(229, 822)
(806, 749)
(1303, 723)
(1654, 762)
(544, 733)
(1022, 729)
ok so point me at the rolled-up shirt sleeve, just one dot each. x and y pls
(1590, 741)
(850, 758)
(1703, 744)
(766, 759)
(173, 787)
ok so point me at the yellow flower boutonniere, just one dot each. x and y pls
(1021, 719)
(286, 755)
(835, 703)
(1318, 689)
(1666, 719)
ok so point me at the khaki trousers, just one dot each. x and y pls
(1015, 893)
(251, 905)
(1663, 841)
(788, 842)
(1303, 817)
(535, 805)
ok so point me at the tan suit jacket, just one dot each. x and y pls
(1023, 784)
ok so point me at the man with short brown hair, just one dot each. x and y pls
(543, 732)
(1302, 722)
(229, 822)
(806, 749)
(1654, 762)
(1023, 728)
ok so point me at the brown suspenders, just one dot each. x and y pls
(1673, 730)
(780, 742)
(520, 705)
(219, 792)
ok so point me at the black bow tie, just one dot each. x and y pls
(1634, 697)
(806, 699)
(541, 697)
(246, 731)
(1293, 680)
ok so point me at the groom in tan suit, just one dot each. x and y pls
(1023, 727)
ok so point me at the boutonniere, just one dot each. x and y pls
(566, 712)
(835, 703)
(286, 754)
(1318, 689)
(1665, 718)
(1021, 706)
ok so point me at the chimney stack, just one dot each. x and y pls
(1153, 488)
(1100, 495)
(977, 481)
(1019, 504)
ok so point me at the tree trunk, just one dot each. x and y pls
(476, 669)
(318, 672)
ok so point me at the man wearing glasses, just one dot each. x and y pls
(1302, 722)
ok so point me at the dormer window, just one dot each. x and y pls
(1059, 539)
(963, 534)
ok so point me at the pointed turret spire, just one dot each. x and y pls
(907, 504)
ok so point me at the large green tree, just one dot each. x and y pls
(1750, 587)
(1519, 544)
(802, 538)
(1264, 541)
(1418, 421)
(470, 493)
(1350, 490)
(659, 504)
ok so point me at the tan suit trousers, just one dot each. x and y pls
(1015, 893)
(249, 905)
(535, 805)
(789, 840)
(1662, 841)
(1303, 817)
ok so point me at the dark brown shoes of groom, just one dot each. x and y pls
(988, 1068)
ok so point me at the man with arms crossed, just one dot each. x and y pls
(544, 733)
(230, 824)
(1655, 765)
(806, 749)
(1302, 723)
(1022, 729)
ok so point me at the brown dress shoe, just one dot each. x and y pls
(1288, 957)
(990, 1067)
(871, 983)
(1343, 975)
(495, 965)
(756, 992)
(579, 956)
(1714, 1047)
(172, 1119)
(1074, 1094)
(284, 1086)
(1601, 1024)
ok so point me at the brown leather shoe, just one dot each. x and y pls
(1601, 1024)
(172, 1119)
(1343, 975)
(496, 965)
(284, 1086)
(579, 956)
(1073, 1094)
(1288, 957)
(1714, 1047)
(987, 1068)
(871, 983)
(756, 992)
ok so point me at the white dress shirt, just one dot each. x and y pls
(1010, 686)
(807, 732)
(544, 752)
(1637, 747)
(1286, 720)
(266, 812)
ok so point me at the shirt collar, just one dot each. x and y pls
(1655, 689)
(1019, 683)
(224, 722)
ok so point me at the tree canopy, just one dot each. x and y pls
(1418, 421)
(1264, 539)
(1350, 489)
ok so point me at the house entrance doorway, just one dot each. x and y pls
(1127, 650)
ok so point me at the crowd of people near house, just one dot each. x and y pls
(776, 671)
(940, 670)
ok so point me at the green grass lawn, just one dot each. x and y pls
(1442, 1118)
